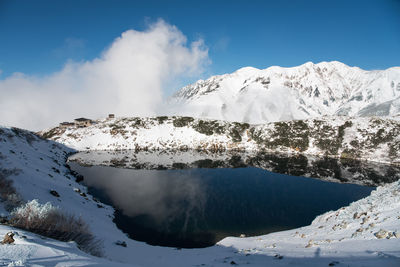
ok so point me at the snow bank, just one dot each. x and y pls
(365, 233)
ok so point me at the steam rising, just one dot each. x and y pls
(127, 79)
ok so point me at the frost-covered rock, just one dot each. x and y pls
(382, 234)
(8, 238)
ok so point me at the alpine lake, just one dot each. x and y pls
(191, 199)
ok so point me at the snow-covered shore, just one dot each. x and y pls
(37, 166)
(348, 235)
(372, 139)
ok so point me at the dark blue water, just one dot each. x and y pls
(198, 207)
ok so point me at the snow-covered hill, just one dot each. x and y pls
(36, 167)
(307, 91)
(364, 234)
(372, 138)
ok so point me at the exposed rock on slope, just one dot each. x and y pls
(374, 139)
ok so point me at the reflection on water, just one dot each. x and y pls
(329, 169)
(198, 207)
(156, 194)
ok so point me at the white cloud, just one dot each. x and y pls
(127, 79)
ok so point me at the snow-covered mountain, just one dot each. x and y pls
(307, 91)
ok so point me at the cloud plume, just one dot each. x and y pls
(127, 79)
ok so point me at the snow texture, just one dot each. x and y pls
(306, 91)
(366, 233)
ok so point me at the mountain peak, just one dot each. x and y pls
(247, 70)
(308, 64)
(325, 64)
(306, 91)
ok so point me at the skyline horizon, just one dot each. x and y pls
(75, 58)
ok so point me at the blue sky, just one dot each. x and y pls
(38, 37)
(65, 59)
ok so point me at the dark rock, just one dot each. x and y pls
(121, 243)
(79, 178)
(3, 220)
(54, 193)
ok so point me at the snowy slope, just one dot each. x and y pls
(37, 166)
(346, 236)
(374, 139)
(307, 91)
(33, 250)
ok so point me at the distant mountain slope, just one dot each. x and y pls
(373, 139)
(276, 93)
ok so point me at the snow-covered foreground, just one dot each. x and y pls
(346, 236)
(33, 250)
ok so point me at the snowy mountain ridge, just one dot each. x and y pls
(306, 91)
